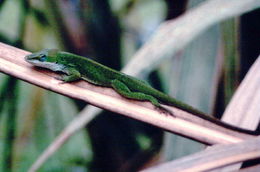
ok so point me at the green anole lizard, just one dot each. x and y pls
(77, 67)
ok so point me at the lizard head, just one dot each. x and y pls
(46, 55)
(46, 58)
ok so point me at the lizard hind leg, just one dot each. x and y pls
(123, 90)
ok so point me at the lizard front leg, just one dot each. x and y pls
(71, 75)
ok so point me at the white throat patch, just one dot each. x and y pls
(48, 65)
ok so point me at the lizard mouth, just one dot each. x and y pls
(28, 58)
(31, 58)
(38, 63)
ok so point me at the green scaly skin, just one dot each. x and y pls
(77, 67)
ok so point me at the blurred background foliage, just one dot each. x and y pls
(204, 75)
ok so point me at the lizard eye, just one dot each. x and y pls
(43, 58)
